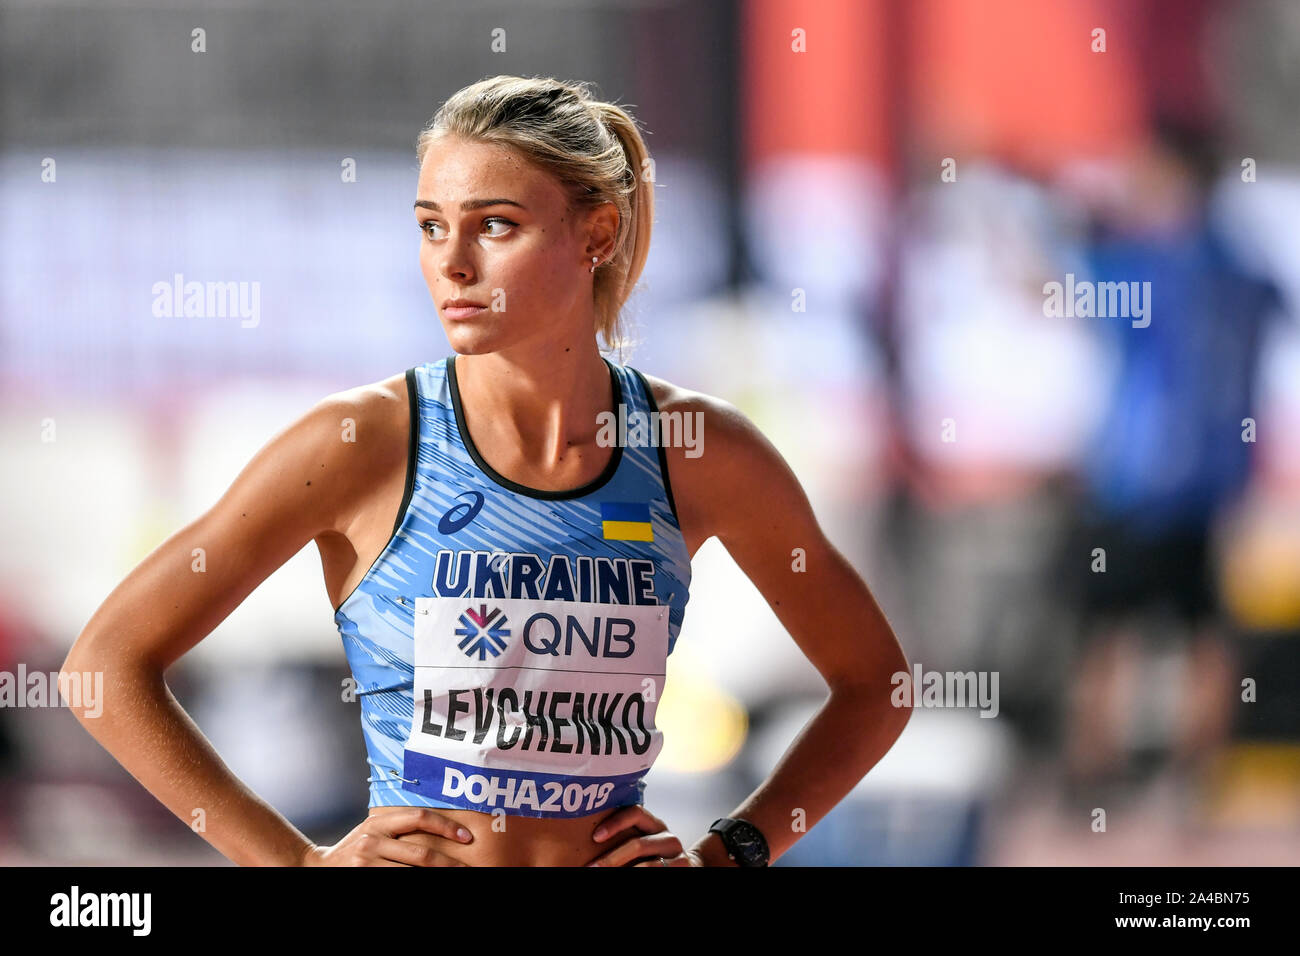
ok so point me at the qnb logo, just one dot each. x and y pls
(461, 514)
(544, 634)
(482, 632)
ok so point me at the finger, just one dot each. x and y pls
(405, 853)
(382, 848)
(654, 845)
(366, 850)
(655, 861)
(410, 819)
(635, 815)
(669, 860)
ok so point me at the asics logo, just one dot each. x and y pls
(460, 515)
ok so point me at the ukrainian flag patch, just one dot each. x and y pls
(626, 521)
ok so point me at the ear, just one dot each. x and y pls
(601, 227)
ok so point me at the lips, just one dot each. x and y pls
(461, 308)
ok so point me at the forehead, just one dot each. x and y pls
(455, 170)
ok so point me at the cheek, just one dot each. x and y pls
(529, 280)
(428, 264)
(521, 265)
(553, 279)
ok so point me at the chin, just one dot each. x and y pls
(466, 341)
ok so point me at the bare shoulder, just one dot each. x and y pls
(361, 435)
(717, 459)
(380, 404)
(736, 439)
(309, 479)
(366, 417)
(670, 398)
(310, 476)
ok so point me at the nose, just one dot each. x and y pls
(454, 259)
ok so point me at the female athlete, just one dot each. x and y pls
(509, 572)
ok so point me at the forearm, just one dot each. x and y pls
(146, 730)
(845, 738)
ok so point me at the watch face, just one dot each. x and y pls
(748, 843)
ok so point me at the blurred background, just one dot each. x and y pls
(860, 203)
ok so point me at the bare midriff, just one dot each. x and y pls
(516, 841)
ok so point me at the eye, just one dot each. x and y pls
(499, 219)
(495, 220)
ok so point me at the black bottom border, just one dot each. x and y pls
(488, 907)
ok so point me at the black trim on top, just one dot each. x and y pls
(412, 457)
(663, 455)
(596, 483)
(412, 448)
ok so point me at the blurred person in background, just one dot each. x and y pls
(995, 406)
(1167, 459)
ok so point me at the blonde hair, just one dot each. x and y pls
(593, 148)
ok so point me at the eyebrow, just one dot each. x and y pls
(469, 204)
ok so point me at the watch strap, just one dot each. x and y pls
(724, 827)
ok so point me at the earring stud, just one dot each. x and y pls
(594, 260)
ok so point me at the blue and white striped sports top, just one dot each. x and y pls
(509, 645)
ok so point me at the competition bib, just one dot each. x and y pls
(540, 708)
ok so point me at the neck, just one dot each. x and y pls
(542, 398)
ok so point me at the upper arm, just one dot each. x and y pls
(741, 490)
(300, 484)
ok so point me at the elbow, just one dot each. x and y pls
(84, 673)
(877, 690)
(82, 690)
(73, 663)
(81, 656)
(81, 684)
(72, 660)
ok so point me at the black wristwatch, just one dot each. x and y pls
(744, 842)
